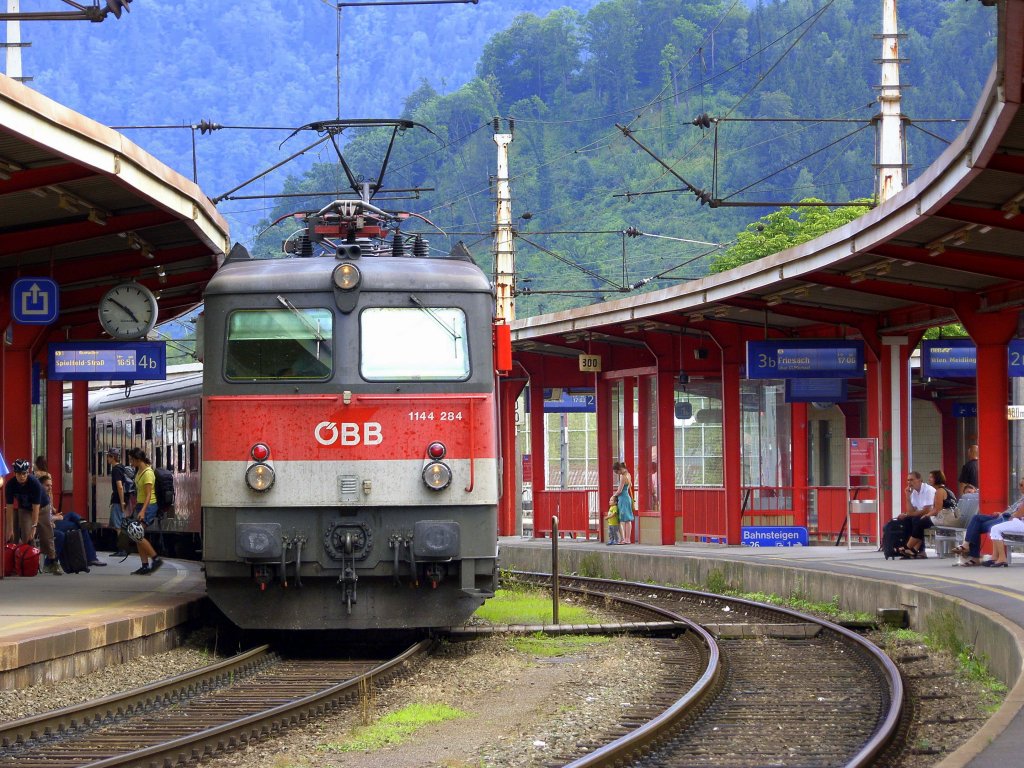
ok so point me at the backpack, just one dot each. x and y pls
(164, 488)
(129, 481)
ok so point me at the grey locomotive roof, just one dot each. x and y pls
(379, 273)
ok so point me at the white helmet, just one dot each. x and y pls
(135, 531)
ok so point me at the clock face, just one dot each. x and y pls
(128, 311)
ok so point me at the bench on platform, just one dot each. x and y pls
(1013, 541)
(946, 537)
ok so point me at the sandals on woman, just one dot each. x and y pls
(994, 564)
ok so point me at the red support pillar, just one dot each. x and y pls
(991, 332)
(54, 438)
(628, 432)
(667, 456)
(798, 430)
(646, 431)
(606, 453)
(993, 427)
(537, 428)
(16, 404)
(80, 450)
(732, 441)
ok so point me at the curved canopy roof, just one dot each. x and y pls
(83, 205)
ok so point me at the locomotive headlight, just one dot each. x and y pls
(437, 476)
(260, 477)
(346, 276)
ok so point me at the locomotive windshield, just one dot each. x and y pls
(413, 344)
(274, 344)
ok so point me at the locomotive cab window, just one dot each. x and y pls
(413, 344)
(279, 344)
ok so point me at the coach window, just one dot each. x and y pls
(182, 434)
(169, 440)
(193, 441)
(108, 428)
(158, 440)
(413, 344)
(68, 451)
(275, 344)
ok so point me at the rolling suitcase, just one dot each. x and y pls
(72, 557)
(26, 560)
(894, 536)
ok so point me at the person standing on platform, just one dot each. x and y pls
(119, 497)
(969, 471)
(624, 499)
(26, 493)
(145, 508)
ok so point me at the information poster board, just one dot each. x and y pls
(863, 453)
(862, 466)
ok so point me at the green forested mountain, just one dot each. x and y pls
(567, 78)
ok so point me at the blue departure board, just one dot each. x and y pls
(107, 360)
(958, 358)
(1017, 357)
(816, 390)
(941, 358)
(805, 358)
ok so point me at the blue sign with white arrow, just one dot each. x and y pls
(35, 300)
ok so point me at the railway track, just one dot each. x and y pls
(184, 719)
(781, 688)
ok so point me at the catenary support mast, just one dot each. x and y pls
(891, 155)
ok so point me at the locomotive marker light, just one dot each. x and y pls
(437, 475)
(436, 450)
(260, 476)
(347, 276)
(346, 281)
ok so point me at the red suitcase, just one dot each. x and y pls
(26, 560)
(9, 550)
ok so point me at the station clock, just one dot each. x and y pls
(128, 311)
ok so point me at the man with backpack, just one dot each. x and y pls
(122, 492)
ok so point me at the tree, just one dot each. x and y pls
(783, 229)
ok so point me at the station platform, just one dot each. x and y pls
(987, 603)
(56, 627)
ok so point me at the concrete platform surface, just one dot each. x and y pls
(987, 604)
(55, 626)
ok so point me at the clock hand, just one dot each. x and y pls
(122, 306)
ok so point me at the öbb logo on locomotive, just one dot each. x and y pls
(348, 433)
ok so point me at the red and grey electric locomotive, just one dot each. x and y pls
(350, 446)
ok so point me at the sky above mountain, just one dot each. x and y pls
(254, 63)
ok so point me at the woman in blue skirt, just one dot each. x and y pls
(624, 498)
